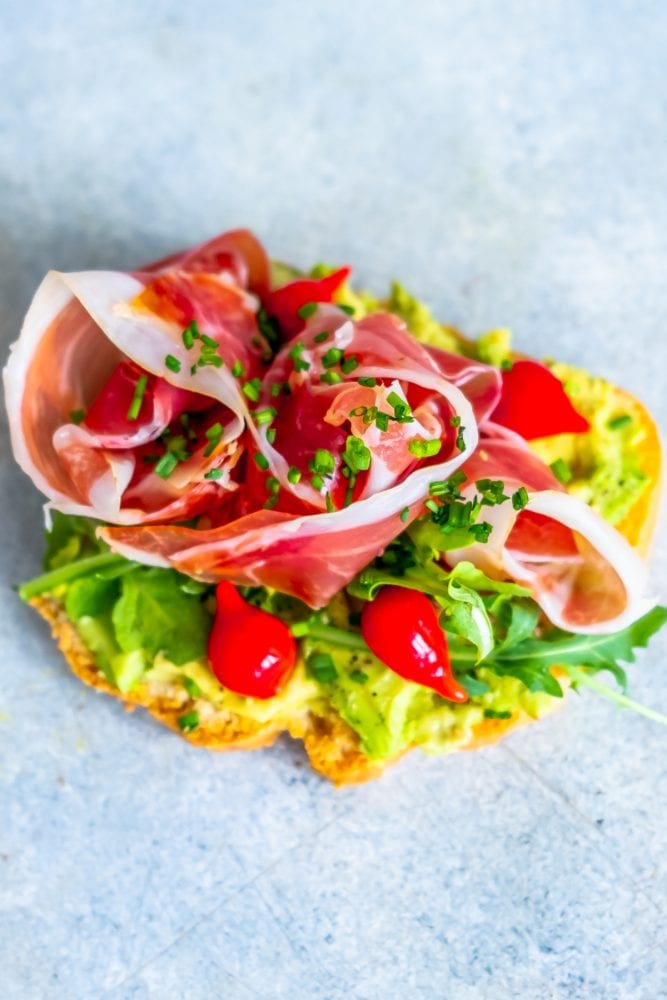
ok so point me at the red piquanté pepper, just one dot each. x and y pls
(401, 627)
(285, 302)
(534, 403)
(251, 651)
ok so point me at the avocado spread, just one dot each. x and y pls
(126, 616)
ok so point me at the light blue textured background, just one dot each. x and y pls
(507, 160)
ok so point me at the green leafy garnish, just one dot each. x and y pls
(155, 614)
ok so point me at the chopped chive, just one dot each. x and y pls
(208, 342)
(424, 449)
(238, 371)
(460, 440)
(331, 378)
(300, 364)
(265, 416)
(321, 667)
(347, 309)
(214, 435)
(286, 389)
(305, 312)
(271, 435)
(402, 411)
(490, 713)
(382, 420)
(271, 502)
(276, 389)
(432, 506)
(455, 422)
(252, 389)
(332, 357)
(188, 338)
(506, 365)
(77, 416)
(319, 338)
(172, 363)
(317, 481)
(322, 462)
(188, 721)
(213, 474)
(293, 475)
(356, 456)
(191, 687)
(349, 365)
(480, 532)
(329, 502)
(272, 484)
(166, 465)
(358, 676)
(405, 514)
(561, 471)
(193, 369)
(299, 629)
(520, 498)
(617, 423)
(261, 461)
(367, 381)
(139, 390)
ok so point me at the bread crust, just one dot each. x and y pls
(332, 746)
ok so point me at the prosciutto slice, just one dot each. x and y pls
(584, 575)
(81, 327)
(301, 547)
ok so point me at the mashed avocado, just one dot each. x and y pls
(116, 615)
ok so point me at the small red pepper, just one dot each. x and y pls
(401, 627)
(534, 403)
(285, 302)
(251, 651)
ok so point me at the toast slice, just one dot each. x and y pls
(332, 746)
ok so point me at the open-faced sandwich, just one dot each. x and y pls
(277, 504)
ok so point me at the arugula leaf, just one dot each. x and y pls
(532, 660)
(91, 595)
(466, 615)
(155, 614)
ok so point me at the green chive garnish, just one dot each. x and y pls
(265, 416)
(506, 365)
(322, 462)
(213, 474)
(405, 514)
(455, 422)
(331, 378)
(520, 498)
(321, 667)
(252, 389)
(356, 456)
(238, 371)
(349, 365)
(617, 423)
(276, 389)
(319, 338)
(369, 382)
(317, 482)
(293, 475)
(77, 416)
(166, 465)
(272, 484)
(261, 461)
(332, 357)
(139, 390)
(188, 338)
(172, 363)
(305, 312)
(271, 435)
(347, 309)
(188, 721)
(561, 471)
(329, 502)
(214, 435)
(424, 449)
